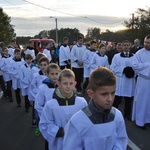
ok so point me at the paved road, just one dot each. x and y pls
(16, 132)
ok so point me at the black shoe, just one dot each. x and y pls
(34, 124)
(26, 110)
(142, 127)
(18, 105)
(128, 118)
(5, 95)
(11, 100)
(83, 91)
(30, 105)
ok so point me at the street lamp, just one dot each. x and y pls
(56, 29)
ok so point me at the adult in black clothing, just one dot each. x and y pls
(137, 46)
(118, 49)
(110, 53)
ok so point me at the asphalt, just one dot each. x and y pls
(16, 132)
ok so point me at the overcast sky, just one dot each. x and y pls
(30, 19)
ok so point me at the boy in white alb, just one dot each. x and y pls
(31, 96)
(121, 66)
(64, 55)
(16, 63)
(87, 57)
(24, 79)
(77, 52)
(35, 68)
(46, 89)
(11, 48)
(5, 67)
(99, 58)
(59, 110)
(30, 49)
(47, 51)
(36, 82)
(39, 76)
(99, 125)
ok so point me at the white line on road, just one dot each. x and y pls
(132, 145)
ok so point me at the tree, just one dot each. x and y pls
(6, 29)
(72, 34)
(139, 26)
(93, 33)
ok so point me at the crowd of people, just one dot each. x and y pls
(108, 74)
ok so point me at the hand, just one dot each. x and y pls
(80, 63)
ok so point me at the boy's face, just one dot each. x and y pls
(102, 50)
(18, 55)
(48, 46)
(31, 44)
(67, 86)
(80, 41)
(103, 97)
(5, 51)
(43, 66)
(53, 75)
(66, 42)
(28, 61)
(93, 46)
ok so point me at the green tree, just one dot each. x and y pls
(93, 33)
(6, 29)
(72, 34)
(139, 24)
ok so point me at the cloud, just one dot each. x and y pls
(32, 26)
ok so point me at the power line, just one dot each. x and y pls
(72, 14)
(19, 7)
(52, 9)
(9, 2)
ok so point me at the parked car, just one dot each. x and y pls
(40, 43)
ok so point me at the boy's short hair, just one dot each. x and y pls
(102, 45)
(28, 56)
(66, 73)
(65, 38)
(4, 48)
(52, 66)
(29, 42)
(43, 59)
(92, 42)
(46, 44)
(17, 50)
(101, 76)
(79, 37)
(39, 56)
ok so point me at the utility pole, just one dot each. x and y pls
(56, 29)
(132, 21)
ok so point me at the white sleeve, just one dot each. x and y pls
(116, 66)
(23, 78)
(47, 124)
(141, 68)
(72, 138)
(93, 63)
(39, 101)
(122, 138)
(73, 54)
